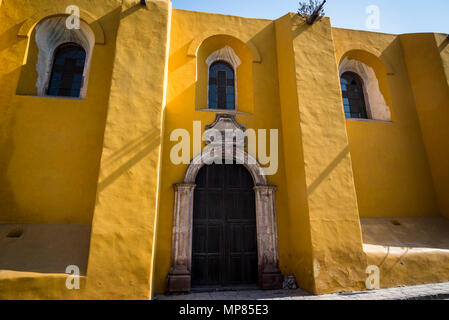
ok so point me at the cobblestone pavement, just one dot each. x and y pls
(438, 291)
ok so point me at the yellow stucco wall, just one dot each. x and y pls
(388, 246)
(64, 139)
(426, 58)
(338, 258)
(51, 147)
(391, 170)
(128, 187)
(104, 162)
(301, 259)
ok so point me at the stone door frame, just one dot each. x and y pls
(179, 277)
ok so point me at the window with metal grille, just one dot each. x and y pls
(67, 73)
(221, 86)
(353, 96)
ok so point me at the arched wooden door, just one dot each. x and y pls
(224, 252)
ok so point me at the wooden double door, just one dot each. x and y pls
(224, 252)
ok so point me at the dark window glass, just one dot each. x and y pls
(221, 86)
(353, 96)
(67, 74)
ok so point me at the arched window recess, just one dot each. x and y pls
(222, 79)
(64, 58)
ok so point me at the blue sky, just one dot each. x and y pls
(396, 16)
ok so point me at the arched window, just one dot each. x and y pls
(66, 77)
(353, 96)
(221, 86)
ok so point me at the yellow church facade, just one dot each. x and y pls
(351, 189)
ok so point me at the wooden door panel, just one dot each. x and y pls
(215, 177)
(236, 271)
(215, 205)
(250, 267)
(199, 238)
(214, 270)
(200, 205)
(249, 234)
(224, 232)
(199, 270)
(214, 239)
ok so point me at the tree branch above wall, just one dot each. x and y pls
(311, 11)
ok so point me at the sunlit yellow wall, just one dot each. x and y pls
(300, 245)
(424, 54)
(105, 160)
(124, 225)
(336, 241)
(50, 147)
(180, 112)
(391, 171)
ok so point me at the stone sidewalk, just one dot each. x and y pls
(437, 291)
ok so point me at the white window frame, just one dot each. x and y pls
(228, 55)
